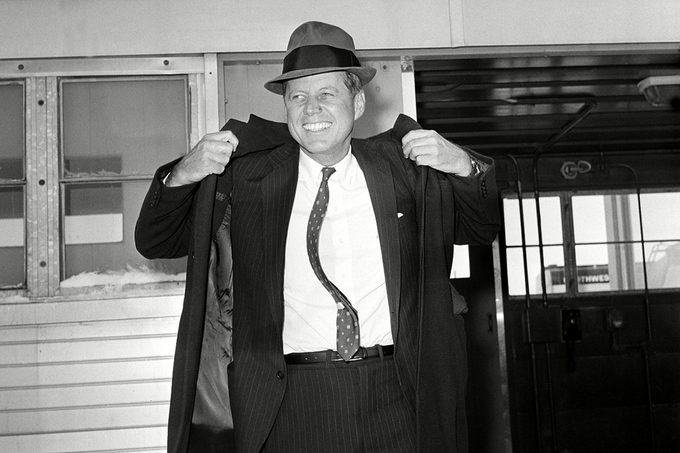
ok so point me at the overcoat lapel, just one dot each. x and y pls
(381, 189)
(278, 192)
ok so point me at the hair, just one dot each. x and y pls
(352, 82)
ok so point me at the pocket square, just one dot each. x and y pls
(400, 215)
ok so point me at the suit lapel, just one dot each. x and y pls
(381, 189)
(278, 191)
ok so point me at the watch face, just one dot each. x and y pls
(475, 168)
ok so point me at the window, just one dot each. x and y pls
(551, 238)
(115, 132)
(608, 235)
(77, 155)
(609, 242)
(12, 185)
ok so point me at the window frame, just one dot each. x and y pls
(42, 155)
(569, 245)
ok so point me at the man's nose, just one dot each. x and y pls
(312, 106)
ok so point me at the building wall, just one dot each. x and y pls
(86, 375)
(61, 28)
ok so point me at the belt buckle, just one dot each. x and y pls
(355, 358)
(361, 354)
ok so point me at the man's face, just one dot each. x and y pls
(321, 111)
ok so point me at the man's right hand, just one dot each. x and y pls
(209, 156)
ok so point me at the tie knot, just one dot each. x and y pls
(327, 172)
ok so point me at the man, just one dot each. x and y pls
(344, 335)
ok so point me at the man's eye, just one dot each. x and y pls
(326, 95)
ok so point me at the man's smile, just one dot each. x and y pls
(316, 127)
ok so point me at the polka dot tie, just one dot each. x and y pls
(347, 318)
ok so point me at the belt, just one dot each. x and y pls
(297, 358)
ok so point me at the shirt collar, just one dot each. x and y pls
(310, 170)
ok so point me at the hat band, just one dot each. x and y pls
(319, 56)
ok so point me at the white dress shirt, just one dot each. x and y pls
(349, 250)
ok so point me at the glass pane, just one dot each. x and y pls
(122, 127)
(589, 218)
(11, 131)
(551, 221)
(553, 258)
(98, 229)
(609, 267)
(592, 267)
(93, 213)
(12, 262)
(606, 218)
(661, 215)
(663, 264)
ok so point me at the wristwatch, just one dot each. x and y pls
(476, 169)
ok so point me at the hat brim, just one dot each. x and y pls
(275, 85)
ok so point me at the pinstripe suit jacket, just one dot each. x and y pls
(259, 188)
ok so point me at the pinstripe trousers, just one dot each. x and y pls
(338, 407)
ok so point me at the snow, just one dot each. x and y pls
(115, 278)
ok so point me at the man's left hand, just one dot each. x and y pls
(426, 147)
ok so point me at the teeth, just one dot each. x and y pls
(315, 127)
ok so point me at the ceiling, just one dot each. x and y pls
(574, 103)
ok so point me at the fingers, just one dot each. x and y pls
(223, 136)
(213, 152)
(220, 146)
(420, 146)
(427, 147)
(210, 156)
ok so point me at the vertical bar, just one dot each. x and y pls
(196, 126)
(32, 202)
(408, 87)
(211, 95)
(42, 187)
(197, 98)
(52, 198)
(502, 348)
(551, 397)
(569, 246)
(527, 304)
(39, 185)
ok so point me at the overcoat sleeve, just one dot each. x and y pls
(164, 223)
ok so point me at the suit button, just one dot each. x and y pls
(280, 374)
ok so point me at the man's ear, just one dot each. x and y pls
(359, 104)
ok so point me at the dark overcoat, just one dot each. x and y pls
(233, 228)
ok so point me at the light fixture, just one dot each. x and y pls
(661, 90)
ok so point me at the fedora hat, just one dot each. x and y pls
(316, 48)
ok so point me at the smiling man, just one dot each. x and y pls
(321, 110)
(344, 333)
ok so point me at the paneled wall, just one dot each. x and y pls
(86, 375)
